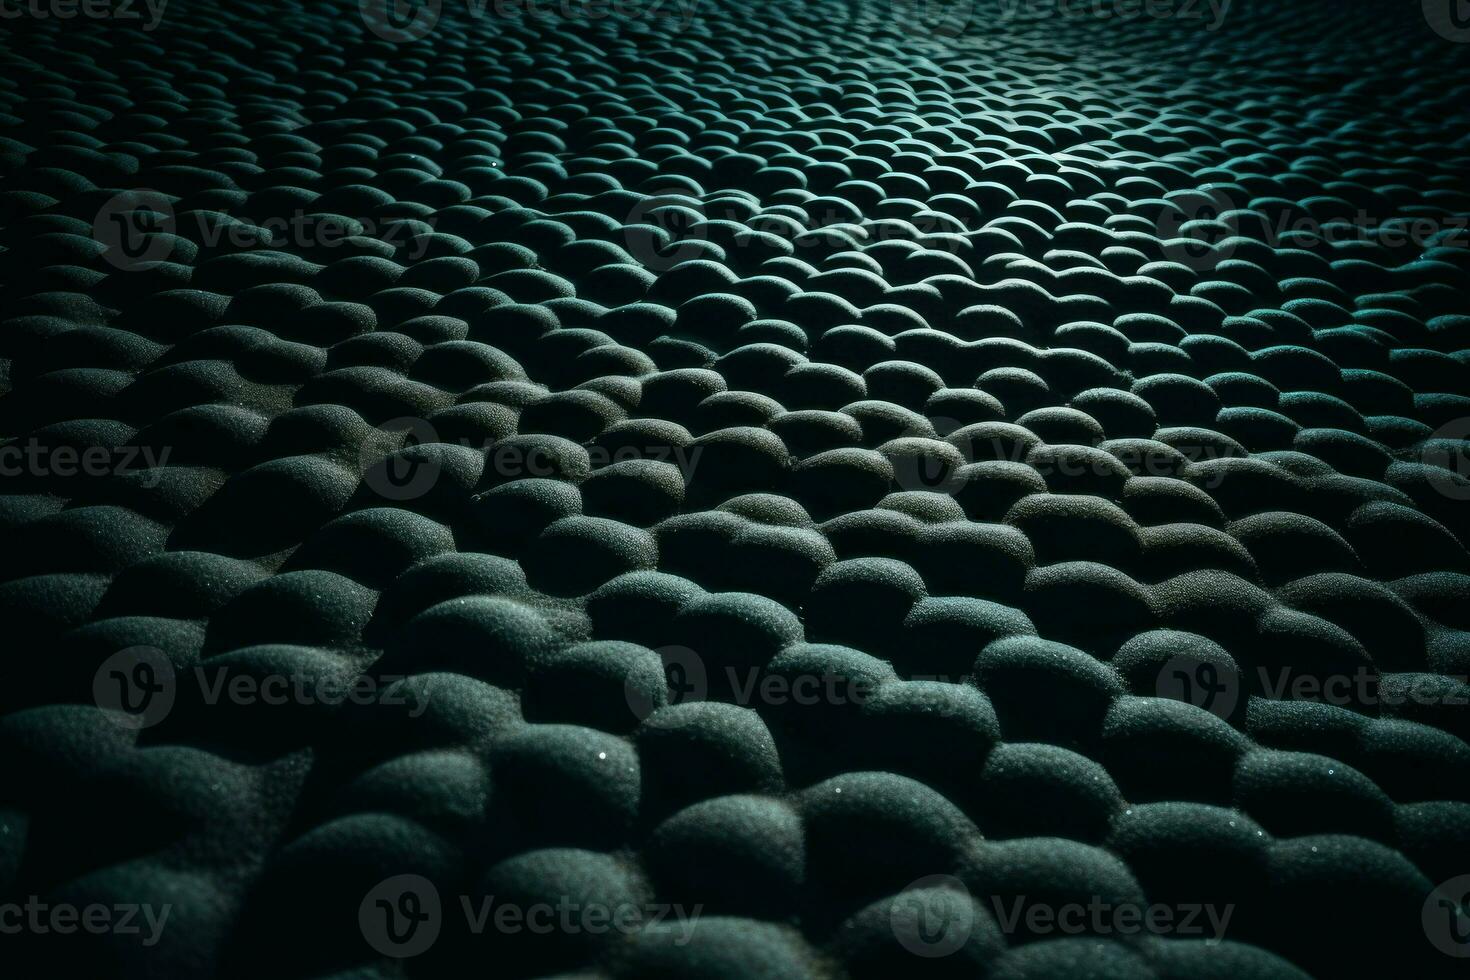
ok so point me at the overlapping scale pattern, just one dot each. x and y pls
(834, 466)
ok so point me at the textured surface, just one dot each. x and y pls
(840, 470)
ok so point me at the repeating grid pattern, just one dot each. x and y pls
(871, 475)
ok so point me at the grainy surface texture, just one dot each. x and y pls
(774, 490)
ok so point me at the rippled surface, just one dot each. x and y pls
(768, 490)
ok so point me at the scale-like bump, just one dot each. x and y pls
(848, 816)
(736, 853)
(480, 636)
